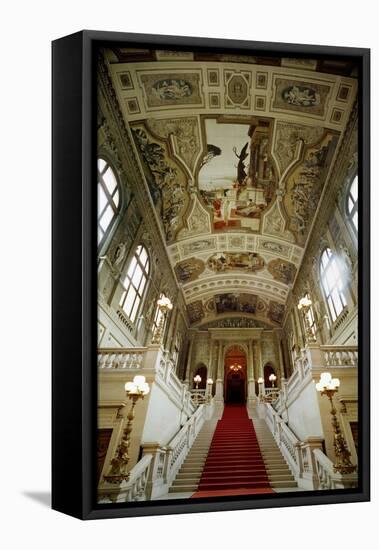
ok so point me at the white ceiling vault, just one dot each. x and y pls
(238, 151)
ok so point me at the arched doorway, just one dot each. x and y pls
(201, 370)
(235, 375)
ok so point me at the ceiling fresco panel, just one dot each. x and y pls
(236, 152)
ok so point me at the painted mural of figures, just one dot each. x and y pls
(301, 96)
(249, 209)
(239, 261)
(236, 303)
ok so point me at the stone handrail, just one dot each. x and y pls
(328, 478)
(271, 394)
(138, 479)
(131, 490)
(311, 468)
(314, 357)
(168, 459)
(284, 437)
(183, 441)
(198, 396)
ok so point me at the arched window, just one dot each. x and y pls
(134, 283)
(108, 199)
(332, 282)
(352, 204)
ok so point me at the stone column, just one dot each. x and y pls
(250, 376)
(189, 360)
(219, 396)
(280, 355)
(210, 364)
(258, 345)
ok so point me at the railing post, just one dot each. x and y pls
(155, 450)
(299, 458)
(167, 465)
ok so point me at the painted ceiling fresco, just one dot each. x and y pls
(237, 151)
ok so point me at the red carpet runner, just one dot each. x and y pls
(234, 460)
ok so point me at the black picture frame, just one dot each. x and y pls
(74, 388)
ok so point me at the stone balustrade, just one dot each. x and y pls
(308, 365)
(337, 356)
(120, 358)
(328, 478)
(152, 362)
(311, 468)
(153, 475)
(167, 460)
(198, 396)
(131, 490)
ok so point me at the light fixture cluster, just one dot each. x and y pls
(304, 303)
(327, 383)
(138, 386)
(165, 303)
(235, 368)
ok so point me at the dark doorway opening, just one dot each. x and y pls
(235, 375)
(235, 389)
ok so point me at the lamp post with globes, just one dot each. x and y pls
(329, 386)
(197, 380)
(272, 379)
(164, 305)
(135, 390)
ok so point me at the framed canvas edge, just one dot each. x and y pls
(85, 376)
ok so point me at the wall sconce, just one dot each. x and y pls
(329, 386)
(135, 390)
(164, 305)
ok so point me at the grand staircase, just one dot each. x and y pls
(189, 474)
(234, 453)
(277, 469)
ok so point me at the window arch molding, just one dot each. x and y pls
(110, 199)
(332, 282)
(135, 282)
